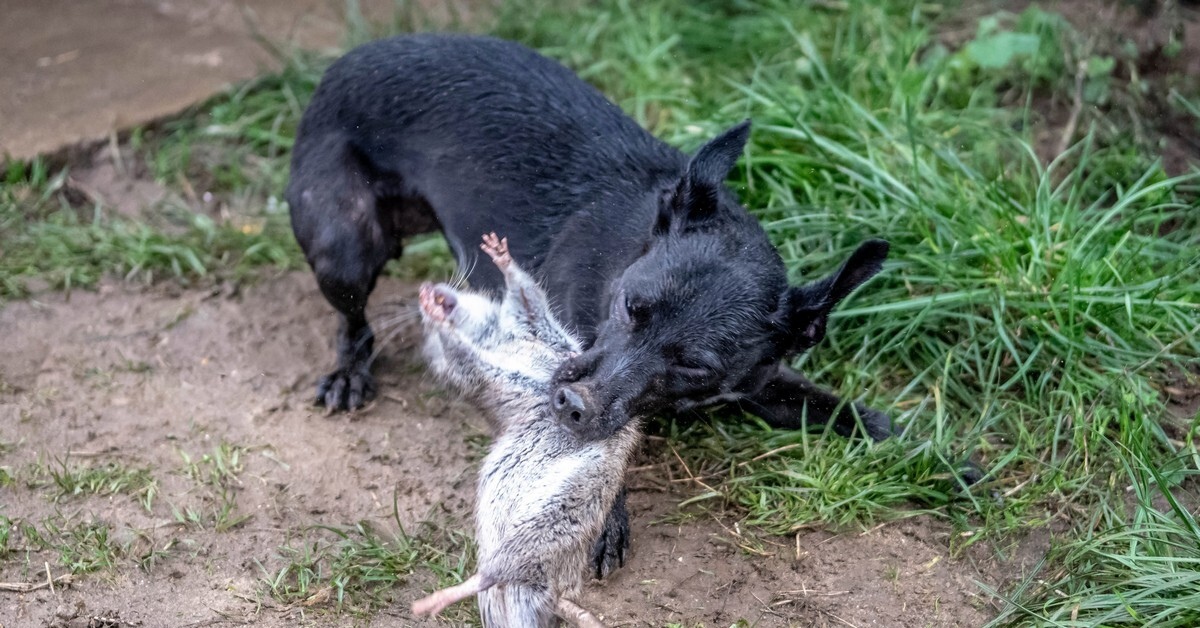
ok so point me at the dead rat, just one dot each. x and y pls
(543, 491)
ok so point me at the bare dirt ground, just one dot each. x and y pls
(144, 376)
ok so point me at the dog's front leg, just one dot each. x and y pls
(608, 553)
(788, 399)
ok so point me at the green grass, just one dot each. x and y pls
(355, 569)
(216, 476)
(106, 479)
(49, 236)
(1029, 316)
(352, 568)
(81, 546)
(6, 531)
(1143, 569)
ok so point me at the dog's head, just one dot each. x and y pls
(705, 314)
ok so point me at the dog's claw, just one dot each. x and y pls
(608, 553)
(345, 389)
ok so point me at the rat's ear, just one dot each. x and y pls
(695, 196)
(806, 308)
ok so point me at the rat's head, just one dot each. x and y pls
(705, 314)
(455, 319)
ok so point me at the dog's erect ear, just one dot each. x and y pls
(806, 308)
(696, 195)
(712, 163)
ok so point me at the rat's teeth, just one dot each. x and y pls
(439, 299)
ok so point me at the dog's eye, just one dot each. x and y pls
(690, 367)
(636, 311)
(692, 373)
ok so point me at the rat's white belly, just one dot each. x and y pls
(526, 486)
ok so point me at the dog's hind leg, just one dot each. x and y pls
(788, 400)
(335, 217)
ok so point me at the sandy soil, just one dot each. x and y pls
(138, 375)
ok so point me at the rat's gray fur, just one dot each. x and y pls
(543, 492)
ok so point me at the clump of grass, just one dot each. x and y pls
(221, 466)
(1140, 570)
(6, 531)
(216, 473)
(236, 146)
(354, 568)
(45, 237)
(782, 481)
(451, 558)
(107, 479)
(82, 547)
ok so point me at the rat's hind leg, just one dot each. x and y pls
(577, 615)
(437, 601)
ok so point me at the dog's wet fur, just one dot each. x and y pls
(673, 288)
(544, 491)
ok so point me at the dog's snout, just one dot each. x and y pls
(569, 372)
(570, 406)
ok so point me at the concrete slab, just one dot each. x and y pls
(74, 71)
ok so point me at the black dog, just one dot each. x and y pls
(674, 287)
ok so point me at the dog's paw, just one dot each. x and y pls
(970, 472)
(608, 553)
(876, 424)
(345, 389)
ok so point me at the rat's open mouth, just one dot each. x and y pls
(437, 302)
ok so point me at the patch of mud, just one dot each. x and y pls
(142, 377)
